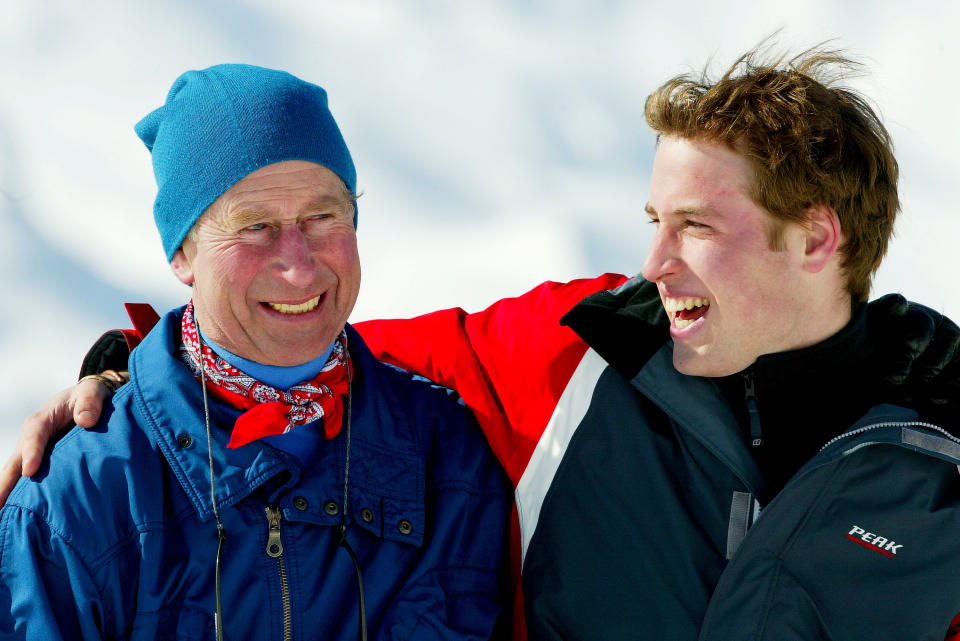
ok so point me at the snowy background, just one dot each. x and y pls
(498, 144)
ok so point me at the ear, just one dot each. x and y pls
(181, 267)
(823, 236)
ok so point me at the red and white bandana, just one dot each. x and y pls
(270, 410)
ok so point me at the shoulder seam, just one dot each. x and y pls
(54, 531)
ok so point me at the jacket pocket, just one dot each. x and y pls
(446, 605)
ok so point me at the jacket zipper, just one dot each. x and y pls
(867, 428)
(707, 620)
(275, 551)
(860, 430)
(750, 390)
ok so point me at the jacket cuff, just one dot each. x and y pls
(111, 351)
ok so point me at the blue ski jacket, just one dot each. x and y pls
(115, 537)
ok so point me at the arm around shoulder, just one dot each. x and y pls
(509, 362)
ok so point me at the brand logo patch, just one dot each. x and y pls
(886, 547)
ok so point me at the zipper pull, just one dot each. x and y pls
(756, 433)
(274, 542)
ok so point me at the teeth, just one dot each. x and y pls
(673, 305)
(302, 308)
(680, 323)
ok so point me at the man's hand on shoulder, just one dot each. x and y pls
(79, 404)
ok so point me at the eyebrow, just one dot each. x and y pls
(243, 218)
(692, 212)
(249, 216)
(326, 201)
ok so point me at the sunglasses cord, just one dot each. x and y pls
(362, 622)
(221, 533)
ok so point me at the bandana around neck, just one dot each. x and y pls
(270, 411)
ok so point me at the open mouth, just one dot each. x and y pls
(300, 308)
(684, 312)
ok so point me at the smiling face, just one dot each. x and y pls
(274, 264)
(730, 297)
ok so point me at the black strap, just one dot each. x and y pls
(362, 626)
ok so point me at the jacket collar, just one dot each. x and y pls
(173, 412)
(918, 358)
(708, 420)
(626, 325)
(916, 350)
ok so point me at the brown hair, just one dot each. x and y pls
(809, 144)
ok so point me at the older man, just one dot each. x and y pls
(262, 475)
(736, 446)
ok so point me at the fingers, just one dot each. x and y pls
(82, 403)
(90, 394)
(87, 400)
(9, 475)
(33, 437)
(39, 428)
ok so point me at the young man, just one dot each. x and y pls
(737, 445)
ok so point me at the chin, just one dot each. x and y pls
(692, 364)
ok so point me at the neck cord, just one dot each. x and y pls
(221, 533)
(346, 463)
(362, 621)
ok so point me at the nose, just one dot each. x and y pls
(294, 258)
(663, 257)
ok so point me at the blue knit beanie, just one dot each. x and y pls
(225, 122)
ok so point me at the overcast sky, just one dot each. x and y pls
(498, 144)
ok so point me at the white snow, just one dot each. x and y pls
(498, 144)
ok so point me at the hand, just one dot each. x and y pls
(80, 404)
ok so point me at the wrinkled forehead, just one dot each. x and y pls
(296, 184)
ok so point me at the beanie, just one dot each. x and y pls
(225, 122)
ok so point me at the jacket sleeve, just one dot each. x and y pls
(510, 362)
(46, 590)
